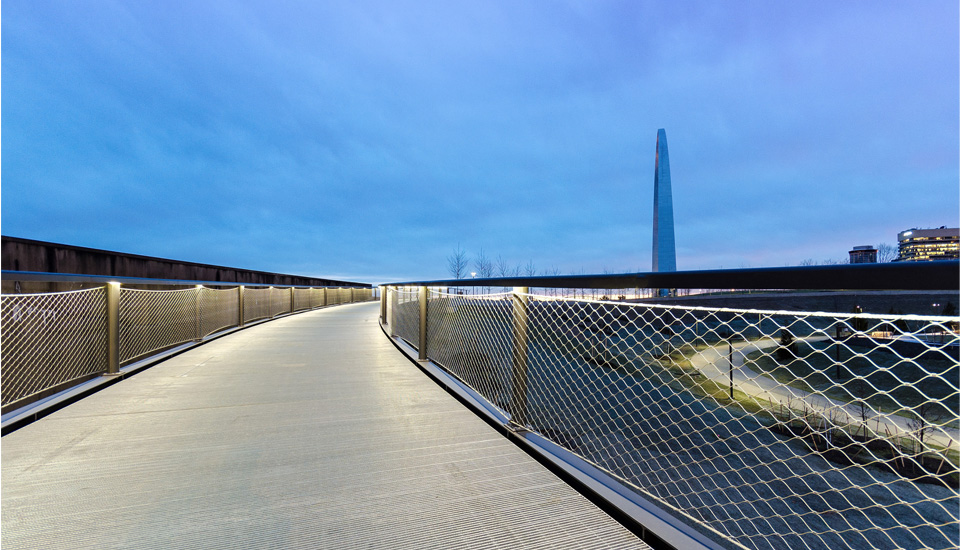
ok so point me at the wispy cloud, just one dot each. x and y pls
(369, 139)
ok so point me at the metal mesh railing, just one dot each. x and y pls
(153, 320)
(280, 301)
(219, 309)
(406, 315)
(338, 295)
(306, 298)
(50, 339)
(257, 304)
(765, 429)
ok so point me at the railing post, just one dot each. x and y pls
(293, 304)
(113, 328)
(730, 361)
(240, 305)
(383, 305)
(197, 313)
(423, 324)
(351, 295)
(391, 307)
(518, 402)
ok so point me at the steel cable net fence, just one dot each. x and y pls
(257, 304)
(406, 315)
(280, 301)
(219, 309)
(154, 320)
(50, 339)
(339, 295)
(306, 298)
(763, 429)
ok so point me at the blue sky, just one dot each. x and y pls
(365, 140)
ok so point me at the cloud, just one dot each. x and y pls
(331, 138)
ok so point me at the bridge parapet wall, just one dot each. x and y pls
(45, 257)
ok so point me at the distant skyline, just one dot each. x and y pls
(366, 141)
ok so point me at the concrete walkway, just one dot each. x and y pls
(311, 431)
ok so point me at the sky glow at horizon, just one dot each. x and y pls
(365, 141)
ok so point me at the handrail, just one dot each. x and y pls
(38, 276)
(937, 275)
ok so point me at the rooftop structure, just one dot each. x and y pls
(863, 255)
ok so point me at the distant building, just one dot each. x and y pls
(920, 245)
(863, 255)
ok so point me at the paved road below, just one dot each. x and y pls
(714, 364)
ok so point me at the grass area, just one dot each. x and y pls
(926, 384)
(849, 444)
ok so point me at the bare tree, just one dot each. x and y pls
(457, 263)
(553, 271)
(886, 252)
(530, 270)
(831, 261)
(484, 267)
(503, 268)
(483, 264)
(924, 423)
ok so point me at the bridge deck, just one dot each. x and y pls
(311, 431)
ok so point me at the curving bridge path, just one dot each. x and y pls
(311, 431)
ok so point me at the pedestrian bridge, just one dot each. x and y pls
(310, 431)
(584, 413)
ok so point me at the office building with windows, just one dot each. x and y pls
(863, 255)
(920, 245)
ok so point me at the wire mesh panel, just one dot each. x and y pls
(219, 309)
(767, 429)
(472, 337)
(51, 339)
(302, 299)
(316, 297)
(406, 315)
(279, 301)
(256, 304)
(152, 320)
